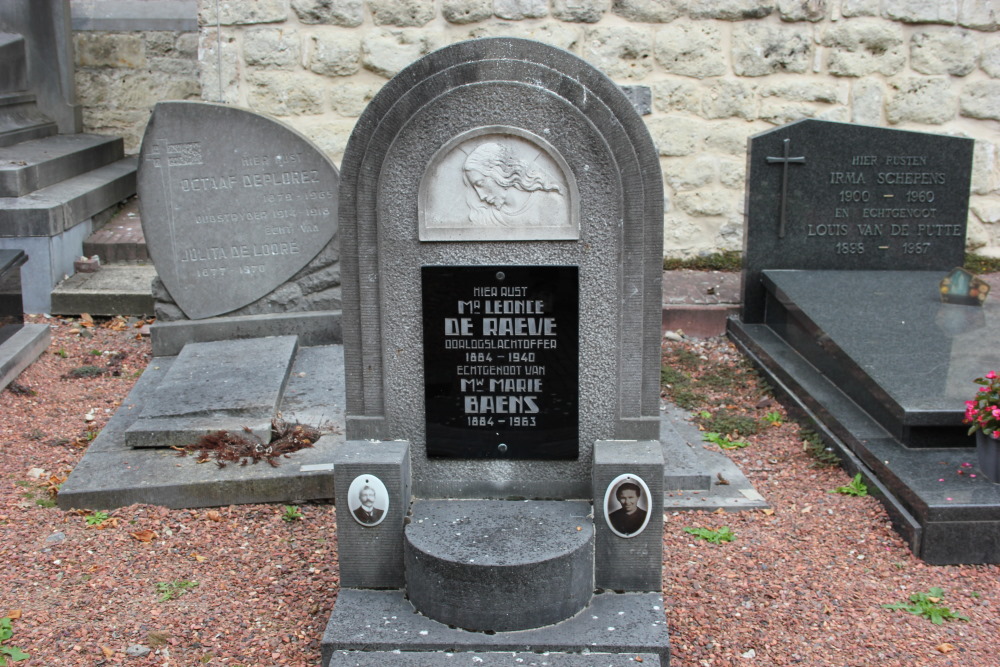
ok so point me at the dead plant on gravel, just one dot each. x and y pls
(225, 447)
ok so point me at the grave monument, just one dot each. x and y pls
(502, 475)
(849, 232)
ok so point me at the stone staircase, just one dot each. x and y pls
(52, 186)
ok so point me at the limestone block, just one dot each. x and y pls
(693, 174)
(803, 10)
(350, 99)
(101, 49)
(158, 42)
(987, 210)
(729, 99)
(676, 135)
(556, 34)
(730, 137)
(944, 51)
(920, 11)
(466, 11)
(731, 10)
(648, 11)
(684, 236)
(990, 61)
(806, 91)
(241, 12)
(921, 100)
(619, 52)
(676, 95)
(981, 100)
(386, 52)
(401, 13)
(985, 168)
(835, 114)
(275, 48)
(94, 88)
(329, 134)
(731, 234)
(219, 86)
(781, 112)
(580, 11)
(732, 174)
(335, 53)
(345, 13)
(284, 93)
(760, 49)
(176, 67)
(129, 124)
(979, 15)
(691, 49)
(863, 47)
(186, 45)
(515, 10)
(852, 8)
(868, 98)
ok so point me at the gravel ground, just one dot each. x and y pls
(801, 584)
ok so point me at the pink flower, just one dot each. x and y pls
(984, 389)
(991, 375)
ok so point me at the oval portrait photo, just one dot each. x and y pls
(368, 500)
(626, 505)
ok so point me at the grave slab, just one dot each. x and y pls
(369, 620)
(223, 385)
(481, 659)
(112, 474)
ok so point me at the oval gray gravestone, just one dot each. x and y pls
(233, 204)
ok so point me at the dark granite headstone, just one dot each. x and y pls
(233, 204)
(824, 195)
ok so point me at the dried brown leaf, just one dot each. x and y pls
(144, 535)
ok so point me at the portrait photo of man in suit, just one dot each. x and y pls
(368, 500)
(367, 513)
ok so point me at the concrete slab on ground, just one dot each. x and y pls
(369, 620)
(111, 474)
(117, 289)
(20, 344)
(698, 303)
(492, 659)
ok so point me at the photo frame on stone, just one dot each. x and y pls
(626, 505)
(498, 183)
(368, 500)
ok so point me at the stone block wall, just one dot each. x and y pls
(718, 71)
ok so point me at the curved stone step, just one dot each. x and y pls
(499, 565)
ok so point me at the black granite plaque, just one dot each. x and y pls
(824, 195)
(501, 362)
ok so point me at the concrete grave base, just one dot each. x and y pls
(313, 329)
(20, 344)
(111, 474)
(625, 625)
(491, 659)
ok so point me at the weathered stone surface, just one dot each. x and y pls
(284, 93)
(981, 100)
(580, 11)
(515, 10)
(979, 15)
(350, 99)
(691, 175)
(706, 202)
(732, 174)
(987, 210)
(466, 11)
(386, 52)
(729, 99)
(335, 54)
(676, 95)
(868, 98)
(985, 168)
(990, 61)
(730, 10)
(273, 48)
(780, 112)
(401, 13)
(246, 205)
(944, 51)
(676, 135)
(852, 8)
(234, 12)
(760, 49)
(648, 11)
(806, 91)
(562, 35)
(863, 47)
(219, 86)
(691, 49)
(922, 100)
(803, 10)
(329, 134)
(730, 137)
(920, 11)
(346, 13)
(619, 52)
(109, 50)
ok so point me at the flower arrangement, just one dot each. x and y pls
(983, 412)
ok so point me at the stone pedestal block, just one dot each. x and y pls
(628, 559)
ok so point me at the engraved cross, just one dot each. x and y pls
(785, 161)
